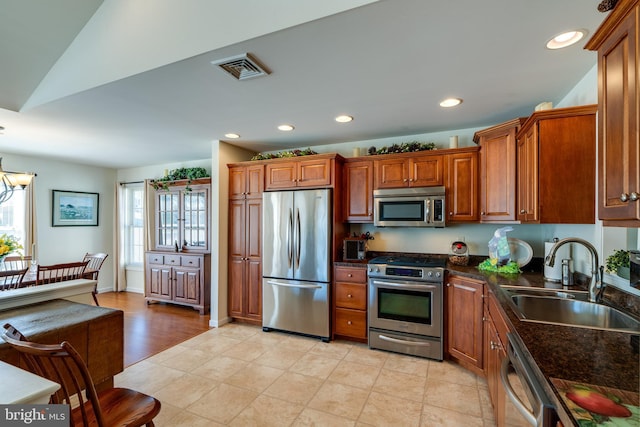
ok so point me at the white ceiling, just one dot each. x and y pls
(135, 85)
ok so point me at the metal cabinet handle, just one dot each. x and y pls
(624, 197)
(495, 345)
(349, 322)
(349, 275)
(633, 196)
(522, 211)
(511, 394)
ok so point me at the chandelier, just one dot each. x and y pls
(10, 180)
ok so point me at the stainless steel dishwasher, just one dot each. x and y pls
(524, 391)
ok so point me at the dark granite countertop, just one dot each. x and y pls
(589, 356)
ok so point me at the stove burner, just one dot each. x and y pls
(410, 261)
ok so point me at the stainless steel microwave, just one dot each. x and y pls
(409, 207)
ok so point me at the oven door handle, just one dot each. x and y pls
(403, 285)
(511, 394)
(404, 342)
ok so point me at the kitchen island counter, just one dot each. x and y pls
(590, 356)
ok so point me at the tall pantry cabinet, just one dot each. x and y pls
(616, 41)
(178, 269)
(246, 185)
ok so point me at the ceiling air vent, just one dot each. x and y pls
(242, 67)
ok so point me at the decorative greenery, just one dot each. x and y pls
(283, 154)
(8, 244)
(177, 174)
(405, 147)
(619, 258)
(490, 264)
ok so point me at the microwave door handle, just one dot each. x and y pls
(428, 210)
(511, 394)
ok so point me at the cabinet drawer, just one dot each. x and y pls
(190, 261)
(351, 274)
(352, 323)
(155, 258)
(172, 259)
(351, 296)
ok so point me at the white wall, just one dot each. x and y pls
(67, 244)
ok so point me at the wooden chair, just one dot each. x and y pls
(59, 272)
(62, 364)
(93, 269)
(11, 279)
(17, 262)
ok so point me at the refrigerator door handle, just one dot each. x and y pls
(292, 285)
(290, 239)
(298, 238)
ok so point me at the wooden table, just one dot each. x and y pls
(97, 333)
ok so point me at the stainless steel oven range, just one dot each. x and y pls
(406, 305)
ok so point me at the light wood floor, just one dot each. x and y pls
(150, 329)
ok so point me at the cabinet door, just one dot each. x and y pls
(313, 173)
(187, 285)
(253, 262)
(426, 171)
(236, 286)
(498, 176)
(237, 237)
(359, 191)
(195, 218)
(167, 220)
(237, 182)
(495, 353)
(462, 187)
(255, 182)
(159, 281)
(619, 146)
(465, 311)
(391, 173)
(528, 176)
(280, 175)
(351, 295)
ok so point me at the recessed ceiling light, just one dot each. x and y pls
(286, 128)
(450, 102)
(343, 119)
(565, 39)
(232, 135)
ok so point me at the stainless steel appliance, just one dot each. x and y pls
(409, 207)
(523, 389)
(406, 305)
(296, 257)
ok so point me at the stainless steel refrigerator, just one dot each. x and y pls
(296, 261)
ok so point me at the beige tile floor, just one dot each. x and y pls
(238, 375)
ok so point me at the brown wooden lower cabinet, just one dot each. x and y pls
(495, 352)
(350, 303)
(464, 315)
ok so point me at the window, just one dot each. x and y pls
(133, 233)
(12, 216)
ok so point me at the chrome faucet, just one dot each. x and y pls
(595, 286)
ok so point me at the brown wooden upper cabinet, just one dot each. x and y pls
(462, 185)
(358, 184)
(246, 182)
(556, 160)
(294, 173)
(409, 170)
(498, 171)
(616, 41)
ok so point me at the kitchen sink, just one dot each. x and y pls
(572, 312)
(544, 292)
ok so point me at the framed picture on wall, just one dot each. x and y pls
(74, 208)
